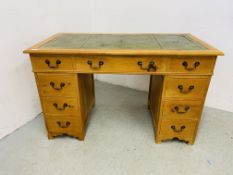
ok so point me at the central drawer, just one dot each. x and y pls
(117, 64)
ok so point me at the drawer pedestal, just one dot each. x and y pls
(66, 100)
(176, 111)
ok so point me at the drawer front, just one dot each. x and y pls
(193, 65)
(46, 63)
(57, 84)
(176, 127)
(181, 109)
(63, 124)
(60, 106)
(188, 86)
(122, 64)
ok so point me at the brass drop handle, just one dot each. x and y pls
(90, 63)
(186, 65)
(181, 89)
(65, 105)
(181, 109)
(173, 127)
(52, 84)
(57, 63)
(150, 67)
(63, 125)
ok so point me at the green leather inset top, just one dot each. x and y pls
(124, 41)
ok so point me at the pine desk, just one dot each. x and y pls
(180, 68)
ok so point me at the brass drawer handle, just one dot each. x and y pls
(186, 66)
(151, 66)
(52, 84)
(65, 105)
(181, 88)
(58, 62)
(90, 63)
(173, 127)
(181, 109)
(63, 125)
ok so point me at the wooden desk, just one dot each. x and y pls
(180, 68)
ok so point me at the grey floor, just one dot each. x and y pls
(120, 141)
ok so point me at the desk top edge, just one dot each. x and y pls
(38, 48)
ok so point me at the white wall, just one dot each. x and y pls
(26, 22)
(211, 20)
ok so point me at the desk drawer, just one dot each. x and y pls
(63, 125)
(186, 86)
(182, 109)
(60, 106)
(176, 127)
(47, 63)
(116, 64)
(57, 84)
(192, 65)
